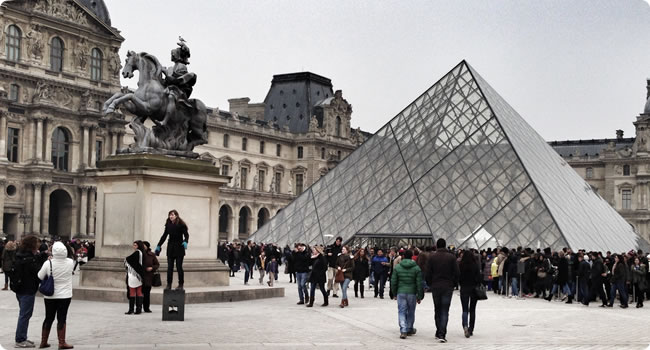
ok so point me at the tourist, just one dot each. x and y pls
(134, 277)
(261, 265)
(442, 277)
(176, 229)
(638, 279)
(272, 270)
(289, 267)
(333, 251)
(151, 265)
(406, 285)
(8, 258)
(302, 263)
(247, 260)
(380, 266)
(345, 264)
(361, 271)
(60, 268)
(24, 282)
(80, 257)
(560, 283)
(503, 262)
(318, 276)
(619, 278)
(470, 277)
(487, 267)
(494, 272)
(597, 273)
(583, 271)
(542, 267)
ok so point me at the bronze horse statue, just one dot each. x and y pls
(178, 126)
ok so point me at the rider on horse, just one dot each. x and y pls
(178, 81)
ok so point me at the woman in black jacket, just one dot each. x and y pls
(318, 275)
(361, 271)
(560, 282)
(619, 277)
(176, 229)
(470, 277)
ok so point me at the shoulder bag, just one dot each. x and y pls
(47, 285)
(480, 292)
(339, 277)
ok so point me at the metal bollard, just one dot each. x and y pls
(507, 286)
(577, 296)
(521, 282)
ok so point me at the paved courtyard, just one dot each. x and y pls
(367, 323)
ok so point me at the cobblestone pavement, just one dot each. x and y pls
(367, 323)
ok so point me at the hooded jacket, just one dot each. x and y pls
(61, 270)
(407, 279)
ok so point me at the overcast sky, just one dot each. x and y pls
(573, 69)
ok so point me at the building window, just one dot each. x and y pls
(626, 170)
(299, 184)
(627, 199)
(225, 169)
(13, 43)
(12, 144)
(56, 55)
(278, 179)
(99, 151)
(244, 144)
(338, 126)
(95, 65)
(14, 92)
(244, 177)
(322, 152)
(226, 140)
(278, 149)
(338, 155)
(60, 149)
(300, 152)
(590, 173)
(261, 147)
(261, 175)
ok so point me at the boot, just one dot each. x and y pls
(549, 297)
(570, 301)
(169, 285)
(138, 305)
(306, 299)
(5, 287)
(311, 302)
(60, 330)
(345, 301)
(342, 305)
(131, 304)
(356, 291)
(180, 286)
(45, 334)
(326, 301)
(361, 290)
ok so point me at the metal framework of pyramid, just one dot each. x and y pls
(461, 164)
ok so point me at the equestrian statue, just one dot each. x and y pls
(162, 96)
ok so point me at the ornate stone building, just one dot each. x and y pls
(58, 64)
(618, 169)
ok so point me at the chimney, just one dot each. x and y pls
(619, 134)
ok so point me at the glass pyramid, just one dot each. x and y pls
(461, 164)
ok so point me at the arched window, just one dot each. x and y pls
(60, 149)
(14, 92)
(338, 126)
(13, 43)
(96, 65)
(626, 170)
(56, 55)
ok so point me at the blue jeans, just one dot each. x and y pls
(468, 302)
(26, 304)
(380, 283)
(620, 286)
(583, 290)
(441, 303)
(515, 287)
(565, 289)
(301, 277)
(406, 311)
(249, 272)
(344, 288)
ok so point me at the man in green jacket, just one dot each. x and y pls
(406, 283)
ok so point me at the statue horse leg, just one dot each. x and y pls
(105, 107)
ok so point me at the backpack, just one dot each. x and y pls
(17, 275)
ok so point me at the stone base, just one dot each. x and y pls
(192, 295)
(110, 273)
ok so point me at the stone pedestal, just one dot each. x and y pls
(134, 194)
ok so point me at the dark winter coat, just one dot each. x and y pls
(8, 258)
(619, 273)
(361, 269)
(26, 269)
(377, 267)
(318, 270)
(247, 255)
(563, 272)
(335, 250)
(149, 260)
(177, 235)
(301, 261)
(637, 275)
(345, 263)
(597, 269)
(442, 270)
(470, 276)
(407, 279)
(583, 270)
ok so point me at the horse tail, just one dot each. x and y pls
(198, 124)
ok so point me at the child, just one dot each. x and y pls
(272, 270)
(261, 265)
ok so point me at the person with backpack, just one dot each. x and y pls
(24, 282)
(406, 284)
(8, 258)
(60, 268)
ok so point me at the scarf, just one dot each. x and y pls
(133, 264)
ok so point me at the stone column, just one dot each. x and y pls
(47, 129)
(120, 140)
(3, 183)
(91, 211)
(36, 213)
(45, 213)
(83, 210)
(235, 224)
(113, 142)
(39, 139)
(93, 151)
(3, 139)
(83, 163)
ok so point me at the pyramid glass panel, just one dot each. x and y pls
(457, 163)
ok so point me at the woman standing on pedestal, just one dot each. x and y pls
(176, 228)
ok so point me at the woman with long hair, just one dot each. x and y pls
(470, 277)
(176, 229)
(8, 258)
(134, 277)
(318, 275)
(361, 271)
(638, 276)
(619, 277)
(345, 264)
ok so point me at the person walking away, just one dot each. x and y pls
(345, 264)
(176, 229)
(333, 252)
(560, 284)
(442, 277)
(406, 284)
(619, 277)
(470, 277)
(134, 277)
(318, 276)
(583, 270)
(302, 263)
(24, 282)
(361, 271)
(8, 258)
(597, 274)
(151, 265)
(638, 272)
(60, 268)
(261, 265)
(380, 266)
(272, 270)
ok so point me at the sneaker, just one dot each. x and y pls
(412, 332)
(335, 296)
(466, 331)
(402, 336)
(29, 341)
(24, 345)
(300, 303)
(442, 340)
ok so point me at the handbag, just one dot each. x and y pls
(481, 292)
(156, 281)
(339, 277)
(47, 285)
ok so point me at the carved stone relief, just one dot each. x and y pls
(52, 94)
(62, 9)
